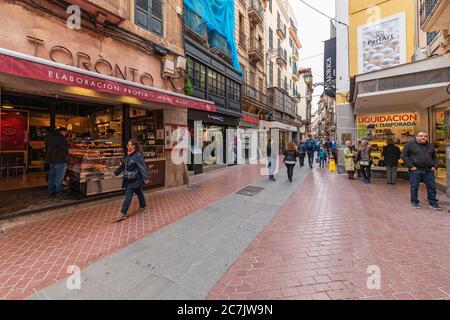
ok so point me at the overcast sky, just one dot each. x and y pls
(313, 29)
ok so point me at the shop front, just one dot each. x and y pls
(285, 133)
(248, 134)
(213, 140)
(397, 102)
(100, 113)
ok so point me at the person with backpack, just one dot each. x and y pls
(290, 159)
(323, 157)
(310, 147)
(301, 153)
(391, 154)
(135, 175)
(328, 147)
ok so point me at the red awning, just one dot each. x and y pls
(26, 66)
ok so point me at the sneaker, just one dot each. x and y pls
(121, 216)
(365, 181)
(415, 205)
(435, 207)
(142, 209)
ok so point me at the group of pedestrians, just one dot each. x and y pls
(419, 156)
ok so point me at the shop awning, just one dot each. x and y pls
(282, 126)
(419, 84)
(22, 65)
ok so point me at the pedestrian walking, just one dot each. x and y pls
(391, 154)
(135, 175)
(365, 160)
(323, 157)
(350, 160)
(419, 156)
(290, 159)
(271, 160)
(57, 155)
(310, 147)
(327, 145)
(301, 153)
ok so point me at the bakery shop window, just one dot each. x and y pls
(147, 127)
(378, 128)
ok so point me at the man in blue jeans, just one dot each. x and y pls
(420, 157)
(57, 152)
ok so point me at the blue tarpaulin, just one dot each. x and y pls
(219, 17)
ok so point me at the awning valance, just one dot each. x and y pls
(22, 65)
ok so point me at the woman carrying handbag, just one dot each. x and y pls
(135, 176)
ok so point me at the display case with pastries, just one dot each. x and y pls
(90, 169)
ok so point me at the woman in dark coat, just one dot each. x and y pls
(135, 175)
(290, 159)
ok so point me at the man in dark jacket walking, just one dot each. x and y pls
(420, 157)
(391, 154)
(57, 153)
(310, 147)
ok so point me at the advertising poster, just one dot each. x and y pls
(382, 44)
(330, 63)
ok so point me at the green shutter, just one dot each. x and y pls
(156, 23)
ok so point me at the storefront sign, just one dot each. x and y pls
(82, 60)
(84, 79)
(215, 117)
(219, 119)
(330, 63)
(13, 130)
(389, 120)
(382, 44)
(250, 119)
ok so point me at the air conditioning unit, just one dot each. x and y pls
(168, 68)
(421, 54)
(181, 63)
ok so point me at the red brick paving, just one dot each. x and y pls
(38, 254)
(321, 242)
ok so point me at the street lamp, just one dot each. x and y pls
(308, 77)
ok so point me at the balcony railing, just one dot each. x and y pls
(426, 8)
(219, 45)
(256, 51)
(242, 40)
(281, 55)
(255, 12)
(281, 29)
(195, 25)
(255, 95)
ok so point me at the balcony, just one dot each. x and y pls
(255, 96)
(295, 72)
(434, 15)
(195, 26)
(219, 45)
(294, 54)
(104, 10)
(256, 52)
(244, 3)
(281, 55)
(255, 12)
(243, 40)
(296, 97)
(281, 29)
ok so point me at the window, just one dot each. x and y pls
(234, 91)
(149, 15)
(270, 5)
(279, 78)
(198, 75)
(270, 38)
(271, 73)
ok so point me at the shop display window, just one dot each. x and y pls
(147, 127)
(438, 139)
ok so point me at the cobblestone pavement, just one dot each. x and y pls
(36, 255)
(331, 232)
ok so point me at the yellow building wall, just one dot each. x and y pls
(361, 13)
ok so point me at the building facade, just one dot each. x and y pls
(282, 45)
(395, 85)
(107, 71)
(212, 74)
